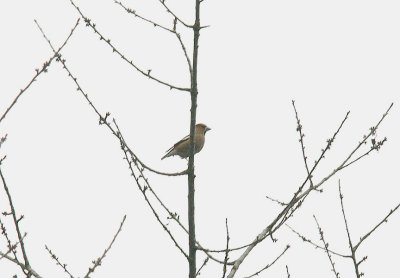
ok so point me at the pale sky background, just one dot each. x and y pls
(67, 176)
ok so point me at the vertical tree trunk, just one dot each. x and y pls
(191, 175)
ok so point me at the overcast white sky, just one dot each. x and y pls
(67, 176)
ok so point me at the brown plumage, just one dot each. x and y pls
(181, 148)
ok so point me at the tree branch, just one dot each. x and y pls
(316, 245)
(108, 41)
(270, 264)
(301, 140)
(103, 119)
(353, 252)
(384, 220)
(299, 198)
(99, 260)
(326, 245)
(143, 190)
(227, 248)
(58, 262)
(16, 222)
(38, 72)
(175, 16)
(178, 36)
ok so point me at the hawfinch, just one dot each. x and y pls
(182, 147)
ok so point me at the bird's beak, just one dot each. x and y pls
(207, 128)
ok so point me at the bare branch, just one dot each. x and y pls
(3, 139)
(287, 271)
(314, 244)
(353, 248)
(28, 270)
(277, 201)
(375, 146)
(227, 248)
(174, 15)
(298, 198)
(103, 119)
(131, 11)
(270, 264)
(301, 140)
(143, 190)
(58, 262)
(178, 36)
(11, 247)
(201, 267)
(353, 252)
(108, 41)
(149, 187)
(38, 72)
(25, 267)
(326, 245)
(189, 63)
(16, 222)
(118, 134)
(384, 220)
(99, 260)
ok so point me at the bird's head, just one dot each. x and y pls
(202, 128)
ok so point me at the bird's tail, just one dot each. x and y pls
(169, 153)
(166, 155)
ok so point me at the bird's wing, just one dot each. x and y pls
(179, 142)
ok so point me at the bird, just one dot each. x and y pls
(182, 147)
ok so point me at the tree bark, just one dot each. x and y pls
(191, 174)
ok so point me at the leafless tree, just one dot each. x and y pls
(139, 169)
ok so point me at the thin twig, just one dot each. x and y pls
(108, 41)
(117, 133)
(2, 159)
(28, 270)
(201, 267)
(98, 262)
(353, 248)
(152, 22)
(298, 201)
(11, 247)
(174, 15)
(373, 148)
(25, 267)
(287, 271)
(38, 72)
(103, 119)
(143, 191)
(3, 139)
(7, 238)
(314, 244)
(188, 61)
(326, 245)
(227, 248)
(276, 201)
(384, 220)
(131, 11)
(170, 213)
(58, 262)
(353, 252)
(298, 198)
(301, 140)
(16, 222)
(295, 198)
(270, 264)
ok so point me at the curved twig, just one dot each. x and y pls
(103, 119)
(108, 41)
(38, 72)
